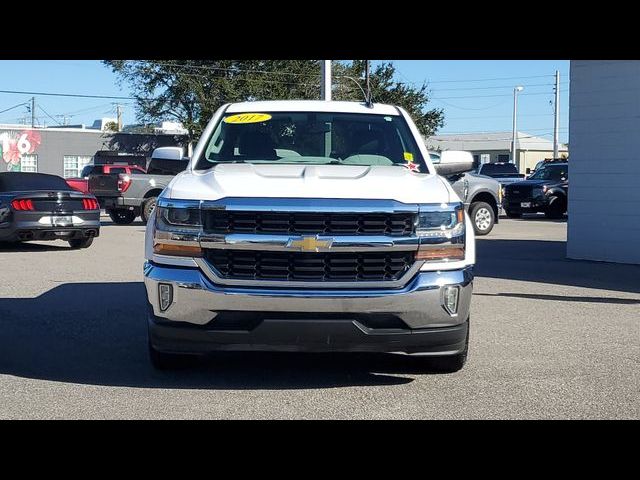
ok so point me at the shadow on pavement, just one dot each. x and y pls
(545, 262)
(109, 223)
(32, 247)
(535, 218)
(95, 333)
(564, 298)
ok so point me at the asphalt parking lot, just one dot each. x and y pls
(551, 338)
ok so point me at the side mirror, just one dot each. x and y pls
(454, 162)
(168, 153)
(527, 171)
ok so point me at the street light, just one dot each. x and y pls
(516, 89)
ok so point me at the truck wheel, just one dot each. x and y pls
(168, 361)
(147, 208)
(122, 217)
(557, 207)
(81, 242)
(511, 214)
(483, 217)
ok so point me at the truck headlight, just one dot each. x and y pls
(441, 231)
(177, 228)
(184, 217)
(537, 192)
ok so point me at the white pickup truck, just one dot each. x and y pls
(310, 226)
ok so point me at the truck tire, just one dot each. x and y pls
(167, 361)
(147, 208)
(81, 242)
(483, 217)
(511, 214)
(557, 207)
(122, 217)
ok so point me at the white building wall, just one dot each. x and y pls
(604, 138)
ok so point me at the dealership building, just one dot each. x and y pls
(604, 197)
(65, 151)
(491, 147)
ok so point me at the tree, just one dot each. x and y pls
(111, 127)
(190, 91)
(384, 89)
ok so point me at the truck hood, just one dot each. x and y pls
(311, 181)
(531, 183)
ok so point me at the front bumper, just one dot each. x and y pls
(537, 204)
(206, 317)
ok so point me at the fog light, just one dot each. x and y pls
(451, 294)
(165, 294)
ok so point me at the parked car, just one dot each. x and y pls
(545, 191)
(127, 196)
(36, 206)
(310, 226)
(504, 172)
(82, 183)
(541, 163)
(482, 195)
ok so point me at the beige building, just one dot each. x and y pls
(496, 147)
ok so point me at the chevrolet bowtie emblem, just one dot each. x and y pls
(309, 244)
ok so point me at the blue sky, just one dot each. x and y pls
(476, 95)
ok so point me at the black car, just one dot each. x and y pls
(544, 191)
(36, 206)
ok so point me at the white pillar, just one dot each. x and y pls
(325, 82)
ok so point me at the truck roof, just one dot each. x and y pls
(312, 106)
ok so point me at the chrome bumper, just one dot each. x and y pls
(419, 303)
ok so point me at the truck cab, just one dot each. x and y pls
(310, 226)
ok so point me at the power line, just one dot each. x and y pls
(487, 79)
(88, 109)
(471, 108)
(489, 96)
(488, 133)
(235, 70)
(15, 106)
(76, 95)
(502, 116)
(57, 122)
(494, 87)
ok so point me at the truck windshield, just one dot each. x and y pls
(551, 172)
(313, 138)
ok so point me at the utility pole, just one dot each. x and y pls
(367, 76)
(33, 112)
(325, 81)
(556, 117)
(119, 114)
(515, 123)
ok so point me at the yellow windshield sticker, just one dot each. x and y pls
(408, 156)
(248, 118)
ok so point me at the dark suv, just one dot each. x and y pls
(544, 191)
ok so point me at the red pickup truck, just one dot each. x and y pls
(82, 184)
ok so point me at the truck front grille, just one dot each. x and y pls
(285, 223)
(515, 193)
(265, 265)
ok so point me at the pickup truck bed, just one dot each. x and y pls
(126, 197)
